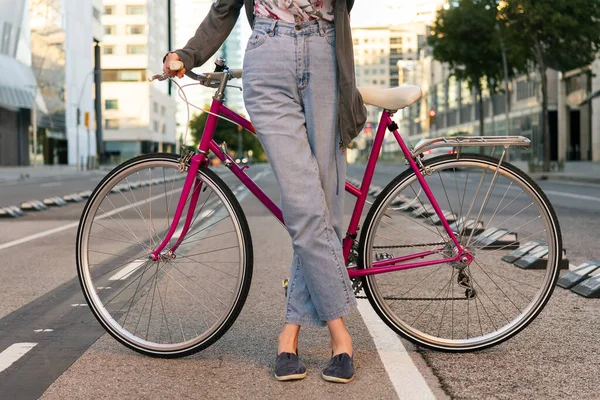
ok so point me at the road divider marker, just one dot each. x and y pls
(55, 201)
(13, 353)
(11, 212)
(73, 197)
(34, 205)
(578, 274)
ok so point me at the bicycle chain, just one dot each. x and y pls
(404, 246)
(417, 298)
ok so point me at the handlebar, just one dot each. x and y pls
(211, 79)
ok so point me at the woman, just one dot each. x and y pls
(300, 92)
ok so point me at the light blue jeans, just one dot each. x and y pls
(290, 91)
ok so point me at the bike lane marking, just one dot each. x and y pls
(13, 353)
(402, 372)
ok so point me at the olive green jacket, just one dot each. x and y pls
(221, 19)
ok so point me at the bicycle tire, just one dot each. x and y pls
(398, 323)
(227, 203)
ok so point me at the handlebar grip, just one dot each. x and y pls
(236, 73)
(175, 65)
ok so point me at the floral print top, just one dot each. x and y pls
(295, 11)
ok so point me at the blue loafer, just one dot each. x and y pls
(339, 369)
(288, 367)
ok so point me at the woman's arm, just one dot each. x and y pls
(211, 33)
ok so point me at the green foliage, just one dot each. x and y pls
(227, 132)
(466, 37)
(561, 34)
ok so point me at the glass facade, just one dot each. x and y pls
(48, 61)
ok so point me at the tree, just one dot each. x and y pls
(465, 36)
(226, 132)
(558, 34)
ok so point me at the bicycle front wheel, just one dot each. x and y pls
(186, 300)
(495, 208)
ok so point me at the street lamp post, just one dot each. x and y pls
(79, 163)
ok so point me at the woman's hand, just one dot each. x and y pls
(172, 57)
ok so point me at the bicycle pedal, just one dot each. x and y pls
(285, 287)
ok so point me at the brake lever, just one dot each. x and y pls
(158, 77)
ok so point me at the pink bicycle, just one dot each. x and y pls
(164, 252)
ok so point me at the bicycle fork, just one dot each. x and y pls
(194, 164)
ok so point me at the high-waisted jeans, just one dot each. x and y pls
(290, 91)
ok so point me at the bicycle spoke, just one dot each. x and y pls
(176, 304)
(457, 310)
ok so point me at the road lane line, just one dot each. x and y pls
(127, 270)
(575, 196)
(404, 375)
(13, 353)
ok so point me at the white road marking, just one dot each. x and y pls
(575, 196)
(43, 330)
(13, 353)
(127, 270)
(404, 375)
(79, 305)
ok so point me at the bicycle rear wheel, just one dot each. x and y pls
(453, 306)
(185, 301)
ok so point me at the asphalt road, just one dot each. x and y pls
(41, 303)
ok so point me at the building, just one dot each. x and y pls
(573, 98)
(17, 83)
(138, 115)
(188, 15)
(46, 70)
(385, 56)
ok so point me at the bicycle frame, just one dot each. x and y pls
(207, 144)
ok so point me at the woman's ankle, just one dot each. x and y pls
(287, 341)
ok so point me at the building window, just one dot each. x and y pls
(96, 14)
(136, 10)
(109, 10)
(155, 124)
(108, 49)
(162, 110)
(111, 124)
(136, 49)
(111, 104)
(164, 128)
(136, 29)
(109, 29)
(123, 75)
(155, 107)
